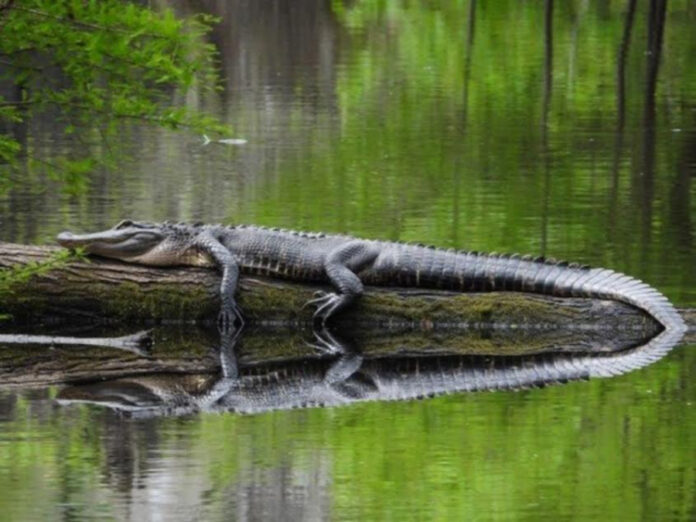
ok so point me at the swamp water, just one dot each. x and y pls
(487, 126)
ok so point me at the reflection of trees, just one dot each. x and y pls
(278, 43)
(620, 112)
(151, 475)
(546, 104)
(656, 24)
(681, 208)
(126, 448)
(279, 62)
(274, 54)
(8, 403)
(621, 66)
(287, 491)
(456, 178)
(469, 46)
(645, 182)
(686, 172)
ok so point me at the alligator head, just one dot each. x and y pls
(140, 242)
(145, 396)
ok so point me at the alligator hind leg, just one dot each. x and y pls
(328, 343)
(343, 374)
(341, 266)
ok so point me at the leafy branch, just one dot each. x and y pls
(99, 63)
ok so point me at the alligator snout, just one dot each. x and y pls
(68, 239)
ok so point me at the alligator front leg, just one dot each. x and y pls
(341, 266)
(229, 267)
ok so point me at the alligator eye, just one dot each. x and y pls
(123, 224)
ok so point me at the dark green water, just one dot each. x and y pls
(496, 126)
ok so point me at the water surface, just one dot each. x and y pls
(500, 126)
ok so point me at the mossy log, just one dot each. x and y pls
(100, 290)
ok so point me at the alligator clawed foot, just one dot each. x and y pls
(317, 298)
(326, 305)
(230, 319)
(327, 343)
(321, 300)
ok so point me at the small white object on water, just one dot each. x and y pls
(224, 141)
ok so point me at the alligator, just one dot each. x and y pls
(348, 263)
(348, 378)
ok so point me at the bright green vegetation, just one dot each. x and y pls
(16, 280)
(93, 65)
(21, 274)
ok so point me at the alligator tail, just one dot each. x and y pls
(550, 277)
(569, 280)
(477, 272)
(607, 284)
(518, 373)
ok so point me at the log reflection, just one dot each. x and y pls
(350, 376)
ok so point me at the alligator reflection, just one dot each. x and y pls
(348, 377)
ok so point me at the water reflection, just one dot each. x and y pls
(164, 454)
(297, 465)
(78, 353)
(349, 377)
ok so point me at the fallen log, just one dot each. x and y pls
(100, 290)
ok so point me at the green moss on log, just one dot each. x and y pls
(158, 302)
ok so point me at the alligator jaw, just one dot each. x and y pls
(126, 243)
